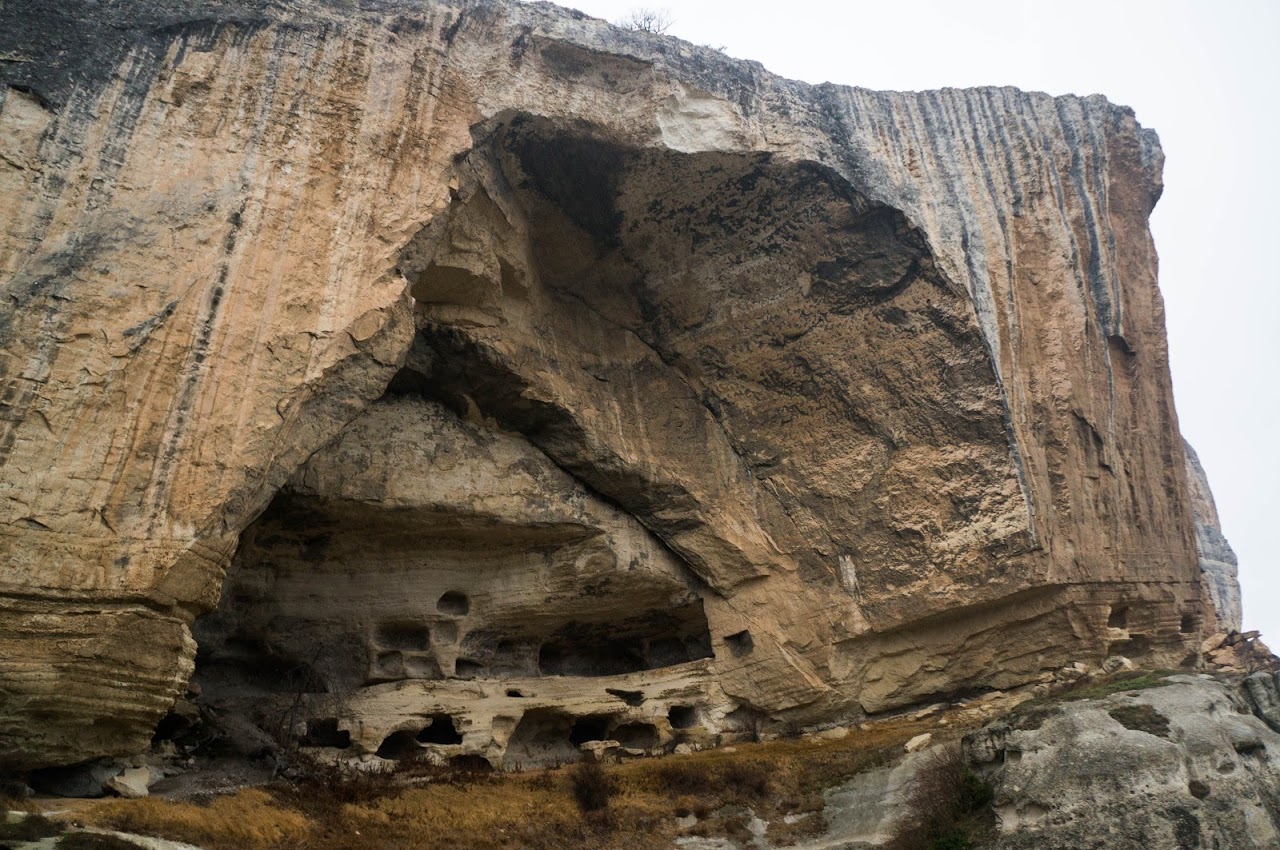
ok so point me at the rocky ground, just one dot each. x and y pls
(1175, 761)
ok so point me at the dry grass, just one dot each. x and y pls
(250, 818)
(535, 811)
(94, 841)
(27, 828)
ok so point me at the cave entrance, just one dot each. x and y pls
(541, 739)
(441, 730)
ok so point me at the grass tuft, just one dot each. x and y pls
(27, 828)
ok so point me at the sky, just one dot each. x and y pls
(1205, 75)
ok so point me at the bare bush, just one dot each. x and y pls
(645, 19)
(945, 801)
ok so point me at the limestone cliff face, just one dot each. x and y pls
(1217, 559)
(752, 400)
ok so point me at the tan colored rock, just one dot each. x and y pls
(919, 742)
(132, 783)
(797, 402)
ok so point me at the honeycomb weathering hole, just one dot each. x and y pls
(400, 635)
(454, 603)
(682, 717)
(740, 643)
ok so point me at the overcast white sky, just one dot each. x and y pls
(1205, 76)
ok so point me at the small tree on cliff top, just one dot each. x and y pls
(645, 19)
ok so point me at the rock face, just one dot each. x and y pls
(1188, 765)
(1217, 559)
(517, 373)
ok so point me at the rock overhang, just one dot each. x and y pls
(875, 503)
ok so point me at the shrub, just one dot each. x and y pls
(592, 786)
(946, 801)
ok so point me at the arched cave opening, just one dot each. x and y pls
(319, 559)
(638, 736)
(399, 746)
(541, 739)
(591, 728)
(441, 730)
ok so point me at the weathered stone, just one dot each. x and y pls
(1217, 558)
(802, 402)
(1095, 773)
(919, 742)
(131, 783)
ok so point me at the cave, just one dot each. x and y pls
(436, 590)
(682, 716)
(324, 732)
(541, 739)
(638, 736)
(591, 728)
(676, 636)
(441, 730)
(400, 745)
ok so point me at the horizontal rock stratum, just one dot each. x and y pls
(496, 372)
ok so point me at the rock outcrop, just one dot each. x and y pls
(1191, 764)
(517, 372)
(1217, 559)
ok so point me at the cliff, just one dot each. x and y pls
(482, 361)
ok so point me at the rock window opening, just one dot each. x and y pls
(739, 643)
(514, 694)
(682, 717)
(441, 730)
(1188, 624)
(1118, 617)
(454, 604)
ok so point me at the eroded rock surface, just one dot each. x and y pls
(1186, 765)
(485, 349)
(1217, 558)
